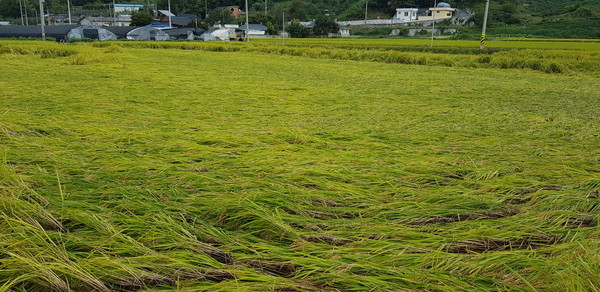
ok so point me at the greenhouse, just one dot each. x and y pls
(59, 32)
(147, 34)
(91, 32)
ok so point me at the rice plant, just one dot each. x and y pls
(341, 165)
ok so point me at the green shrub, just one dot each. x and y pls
(297, 30)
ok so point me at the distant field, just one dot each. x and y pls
(585, 44)
(550, 56)
(358, 165)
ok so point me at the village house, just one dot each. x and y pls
(121, 20)
(127, 8)
(406, 14)
(182, 20)
(441, 11)
(253, 29)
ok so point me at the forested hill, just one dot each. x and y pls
(559, 18)
(340, 9)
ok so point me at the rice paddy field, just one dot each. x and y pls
(309, 165)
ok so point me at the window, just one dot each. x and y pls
(405, 13)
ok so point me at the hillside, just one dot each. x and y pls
(544, 18)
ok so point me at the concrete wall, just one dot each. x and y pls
(372, 22)
(416, 31)
(460, 17)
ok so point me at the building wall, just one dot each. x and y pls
(439, 12)
(123, 23)
(406, 14)
(427, 31)
(127, 9)
(256, 32)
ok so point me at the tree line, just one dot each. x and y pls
(294, 9)
(272, 11)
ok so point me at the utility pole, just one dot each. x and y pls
(247, 26)
(21, 9)
(366, 5)
(114, 14)
(283, 27)
(42, 20)
(26, 16)
(69, 10)
(485, 17)
(265, 7)
(433, 21)
(170, 13)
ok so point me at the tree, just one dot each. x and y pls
(583, 12)
(257, 17)
(271, 28)
(300, 9)
(141, 18)
(297, 30)
(56, 6)
(258, 6)
(325, 25)
(355, 11)
(220, 16)
(10, 8)
(499, 14)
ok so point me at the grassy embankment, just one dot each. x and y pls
(138, 168)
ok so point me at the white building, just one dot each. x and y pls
(253, 29)
(127, 8)
(344, 31)
(406, 14)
